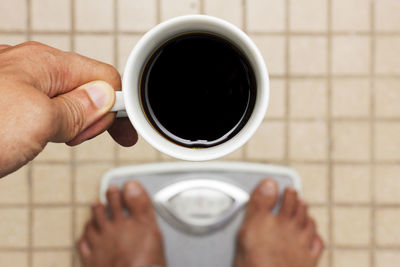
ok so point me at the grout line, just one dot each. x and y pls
(30, 165)
(279, 33)
(244, 153)
(295, 160)
(287, 83)
(116, 64)
(372, 112)
(329, 130)
(72, 151)
(159, 155)
(159, 10)
(201, 6)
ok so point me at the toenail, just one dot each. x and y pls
(268, 188)
(132, 190)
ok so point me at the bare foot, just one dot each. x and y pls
(122, 241)
(288, 239)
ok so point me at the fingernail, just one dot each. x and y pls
(132, 190)
(101, 94)
(268, 188)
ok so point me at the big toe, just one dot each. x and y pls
(137, 201)
(264, 197)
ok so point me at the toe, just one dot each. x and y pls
(289, 203)
(309, 232)
(263, 198)
(99, 215)
(91, 234)
(84, 251)
(317, 247)
(137, 200)
(115, 202)
(301, 214)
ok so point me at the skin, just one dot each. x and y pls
(121, 240)
(288, 239)
(43, 99)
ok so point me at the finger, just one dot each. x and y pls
(80, 108)
(61, 72)
(123, 132)
(95, 129)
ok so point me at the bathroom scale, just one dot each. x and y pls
(200, 205)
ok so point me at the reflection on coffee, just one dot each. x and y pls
(198, 90)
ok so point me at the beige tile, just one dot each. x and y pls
(51, 15)
(308, 140)
(14, 227)
(345, 19)
(13, 259)
(126, 43)
(273, 50)
(387, 258)
(352, 184)
(55, 153)
(141, 152)
(350, 98)
(137, 15)
(308, 55)
(15, 187)
(174, 8)
(82, 215)
(277, 99)
(309, 15)
(97, 149)
(13, 15)
(387, 15)
(324, 260)
(165, 157)
(94, 15)
(387, 98)
(51, 183)
(52, 227)
(350, 55)
(87, 183)
(12, 39)
(387, 55)
(52, 259)
(321, 217)
(351, 141)
(265, 15)
(59, 41)
(229, 10)
(314, 178)
(387, 141)
(387, 184)
(99, 47)
(307, 98)
(387, 231)
(268, 143)
(351, 258)
(235, 155)
(356, 233)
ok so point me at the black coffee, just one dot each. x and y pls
(198, 90)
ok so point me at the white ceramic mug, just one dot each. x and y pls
(128, 101)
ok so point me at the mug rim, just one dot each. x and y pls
(149, 42)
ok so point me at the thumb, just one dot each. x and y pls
(81, 107)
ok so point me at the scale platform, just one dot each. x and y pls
(200, 205)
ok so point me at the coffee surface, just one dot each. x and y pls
(198, 90)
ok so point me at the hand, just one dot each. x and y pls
(48, 95)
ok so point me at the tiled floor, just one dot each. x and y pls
(334, 116)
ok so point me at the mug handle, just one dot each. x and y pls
(119, 105)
